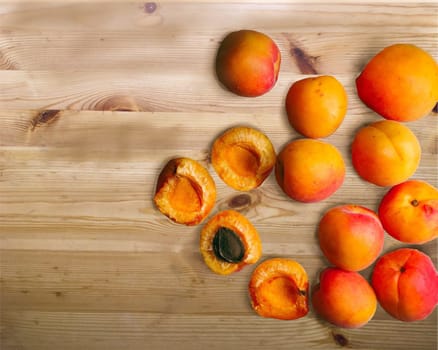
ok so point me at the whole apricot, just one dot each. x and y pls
(413, 203)
(279, 289)
(351, 236)
(243, 157)
(406, 284)
(185, 191)
(344, 298)
(248, 63)
(316, 106)
(309, 170)
(400, 83)
(385, 153)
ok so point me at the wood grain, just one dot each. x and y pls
(96, 97)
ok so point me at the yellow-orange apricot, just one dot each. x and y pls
(279, 288)
(400, 83)
(411, 204)
(185, 191)
(350, 236)
(309, 170)
(243, 157)
(229, 242)
(385, 153)
(406, 284)
(344, 298)
(316, 106)
(248, 63)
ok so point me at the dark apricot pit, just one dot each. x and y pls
(243, 157)
(185, 191)
(228, 242)
(279, 288)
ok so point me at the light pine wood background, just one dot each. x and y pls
(96, 97)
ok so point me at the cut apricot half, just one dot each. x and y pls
(185, 191)
(228, 242)
(279, 288)
(243, 157)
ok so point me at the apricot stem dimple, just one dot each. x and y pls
(414, 202)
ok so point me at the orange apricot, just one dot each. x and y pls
(344, 298)
(279, 288)
(412, 203)
(350, 236)
(309, 170)
(248, 63)
(385, 153)
(185, 191)
(400, 83)
(229, 242)
(243, 157)
(406, 284)
(316, 106)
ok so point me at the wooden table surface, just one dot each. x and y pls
(96, 97)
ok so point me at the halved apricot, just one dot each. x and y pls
(229, 242)
(243, 157)
(279, 288)
(185, 191)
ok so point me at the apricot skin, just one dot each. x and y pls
(316, 106)
(351, 237)
(400, 83)
(413, 203)
(279, 289)
(406, 284)
(248, 63)
(385, 153)
(309, 170)
(185, 191)
(344, 298)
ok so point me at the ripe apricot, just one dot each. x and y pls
(229, 242)
(406, 284)
(279, 289)
(316, 106)
(351, 236)
(385, 153)
(400, 83)
(344, 298)
(413, 203)
(248, 63)
(309, 170)
(243, 157)
(185, 191)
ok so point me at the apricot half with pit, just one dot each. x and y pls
(185, 191)
(243, 157)
(279, 288)
(229, 242)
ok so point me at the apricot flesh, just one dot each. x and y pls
(248, 63)
(185, 191)
(413, 203)
(385, 153)
(316, 106)
(400, 83)
(229, 242)
(350, 236)
(406, 284)
(344, 298)
(309, 170)
(279, 288)
(243, 157)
